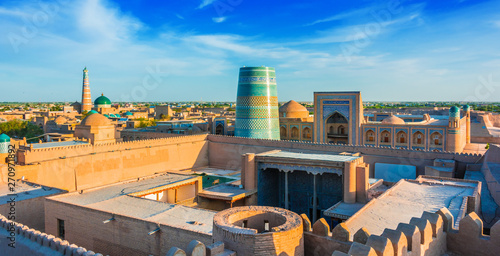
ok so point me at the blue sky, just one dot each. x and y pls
(163, 50)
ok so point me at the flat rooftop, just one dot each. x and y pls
(343, 210)
(410, 198)
(226, 192)
(58, 144)
(308, 156)
(25, 190)
(494, 131)
(116, 199)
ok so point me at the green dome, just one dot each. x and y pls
(106, 115)
(4, 138)
(454, 111)
(92, 112)
(116, 115)
(128, 113)
(102, 100)
(466, 107)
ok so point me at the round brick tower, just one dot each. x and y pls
(467, 130)
(86, 100)
(257, 113)
(259, 230)
(453, 134)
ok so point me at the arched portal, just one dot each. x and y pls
(337, 126)
(219, 129)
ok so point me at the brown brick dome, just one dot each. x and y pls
(393, 120)
(293, 109)
(96, 120)
(61, 120)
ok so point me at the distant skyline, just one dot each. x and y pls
(162, 50)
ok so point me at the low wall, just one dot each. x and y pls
(491, 173)
(81, 167)
(284, 237)
(123, 236)
(431, 234)
(29, 212)
(225, 152)
(31, 242)
(137, 135)
(491, 140)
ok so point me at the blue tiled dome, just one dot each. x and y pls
(454, 111)
(4, 138)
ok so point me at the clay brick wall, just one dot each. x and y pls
(225, 152)
(431, 234)
(29, 241)
(122, 236)
(95, 165)
(286, 239)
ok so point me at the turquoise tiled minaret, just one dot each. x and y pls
(4, 143)
(257, 104)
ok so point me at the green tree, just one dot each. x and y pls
(19, 129)
(85, 114)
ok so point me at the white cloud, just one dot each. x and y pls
(205, 3)
(179, 16)
(496, 23)
(219, 19)
(102, 20)
(341, 16)
(4, 11)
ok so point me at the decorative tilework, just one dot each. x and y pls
(336, 102)
(328, 110)
(385, 129)
(4, 147)
(431, 131)
(257, 113)
(257, 101)
(353, 110)
(257, 79)
(418, 130)
(399, 130)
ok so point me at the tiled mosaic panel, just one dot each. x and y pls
(257, 114)
(257, 101)
(4, 148)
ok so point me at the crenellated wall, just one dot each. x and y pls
(431, 234)
(85, 166)
(139, 135)
(81, 167)
(225, 152)
(197, 248)
(32, 242)
(30, 156)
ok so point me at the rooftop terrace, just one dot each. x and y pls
(410, 198)
(308, 156)
(117, 199)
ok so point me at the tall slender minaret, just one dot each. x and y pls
(86, 100)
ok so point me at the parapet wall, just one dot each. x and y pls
(82, 167)
(431, 234)
(28, 155)
(225, 152)
(283, 237)
(491, 171)
(139, 135)
(29, 241)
